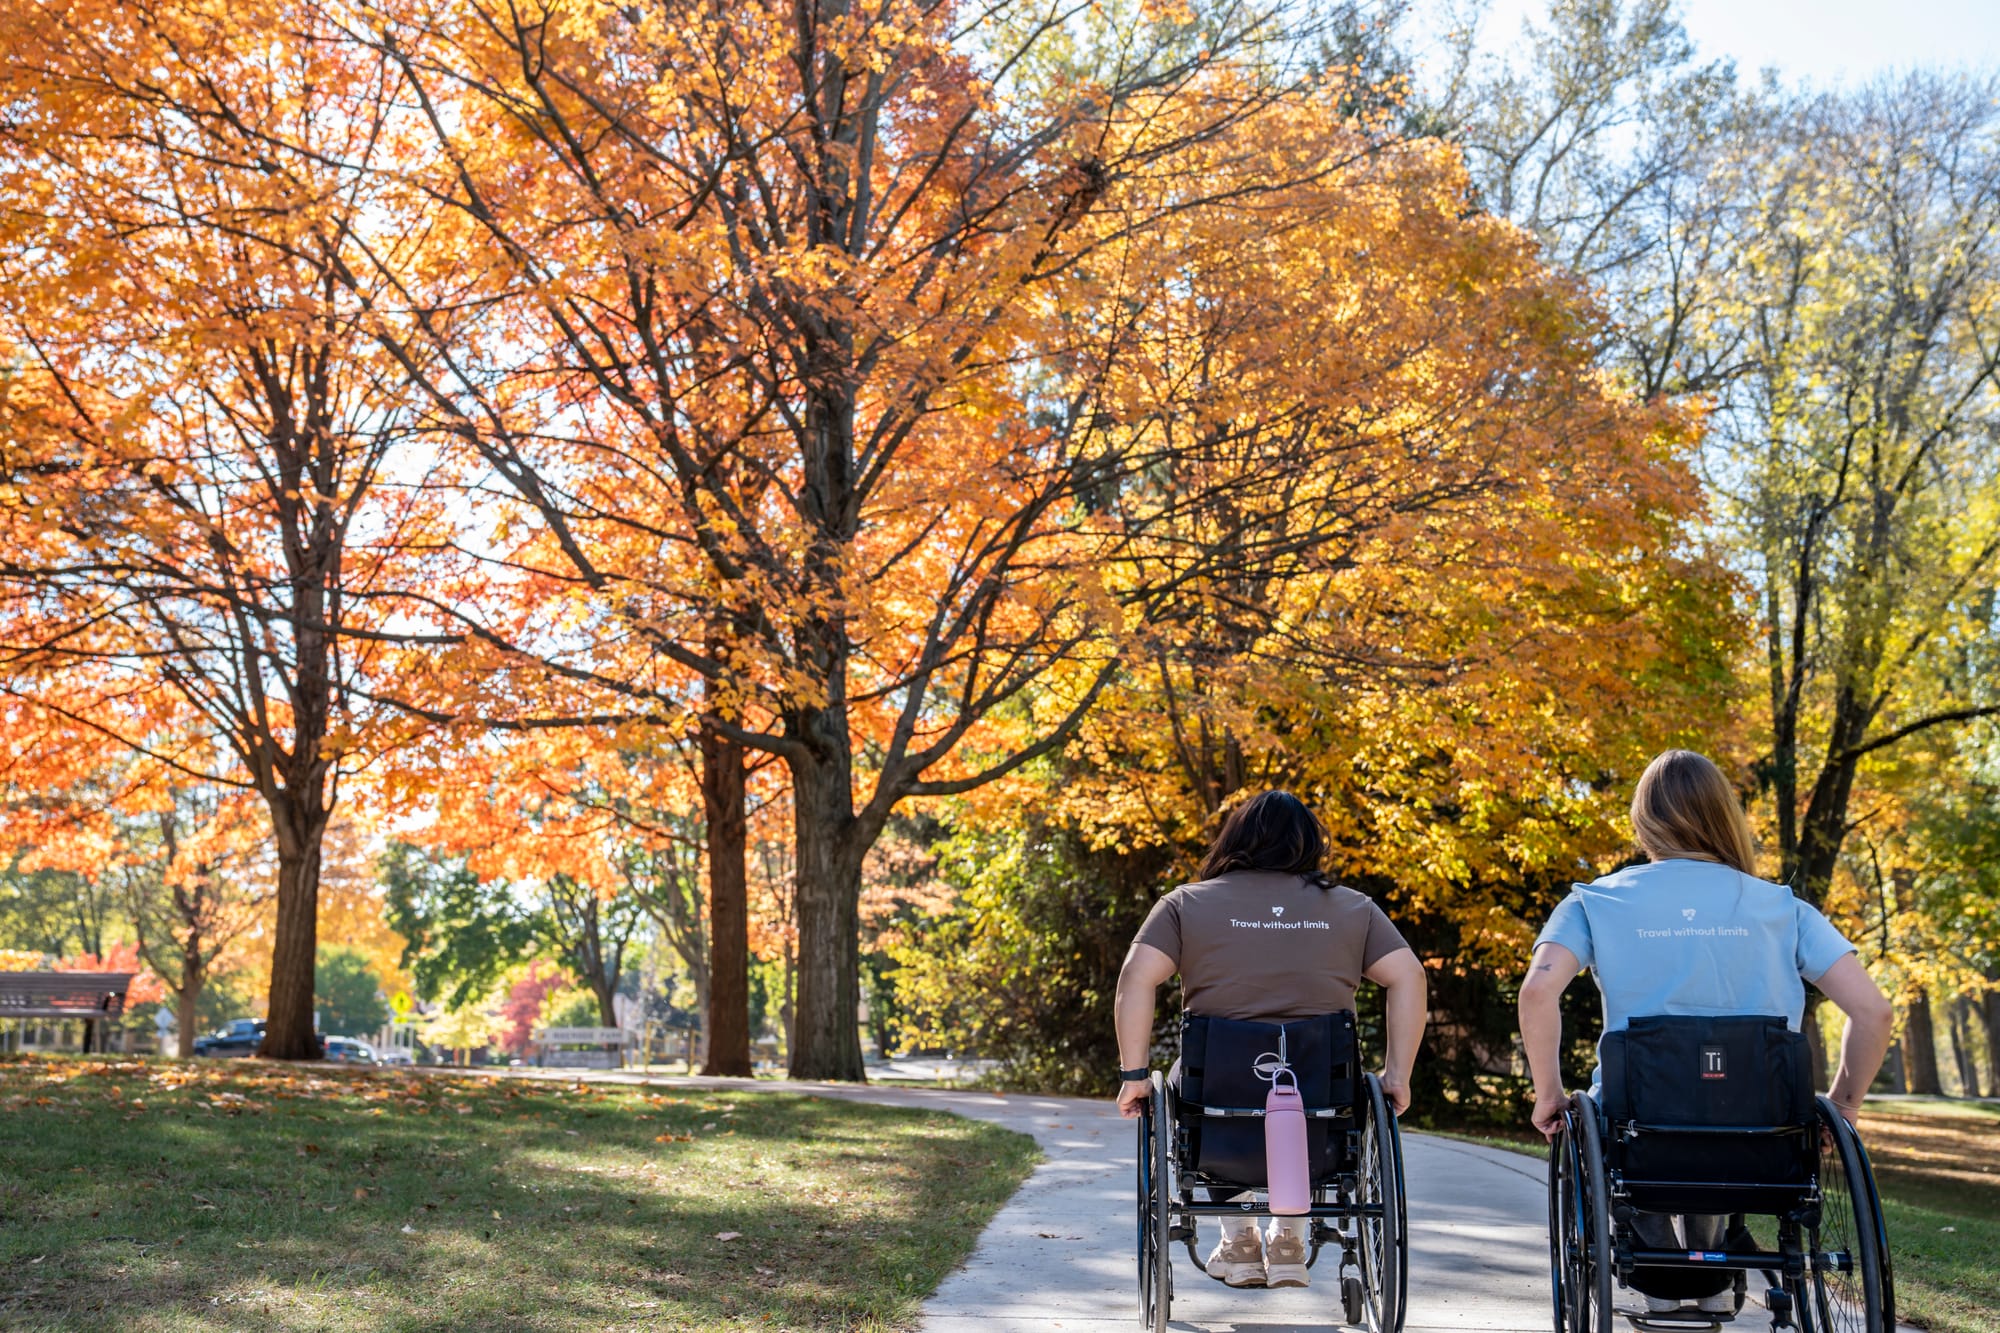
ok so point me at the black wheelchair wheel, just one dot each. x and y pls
(1163, 1134)
(1888, 1269)
(1579, 1224)
(1353, 1309)
(1383, 1225)
(1842, 1287)
(1156, 1267)
(1148, 1189)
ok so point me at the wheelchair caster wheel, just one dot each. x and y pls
(1779, 1302)
(1350, 1300)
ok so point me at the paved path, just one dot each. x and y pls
(1060, 1254)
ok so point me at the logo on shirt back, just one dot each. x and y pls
(1687, 914)
(1277, 911)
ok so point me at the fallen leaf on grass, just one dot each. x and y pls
(720, 1235)
(409, 1230)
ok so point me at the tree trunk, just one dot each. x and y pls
(826, 1033)
(1816, 1043)
(1961, 1047)
(1824, 827)
(701, 1006)
(1920, 1047)
(1990, 1007)
(607, 997)
(726, 1015)
(288, 1029)
(187, 1000)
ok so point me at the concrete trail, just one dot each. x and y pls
(1061, 1254)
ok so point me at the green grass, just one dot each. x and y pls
(1938, 1168)
(1943, 1108)
(244, 1195)
(1946, 1277)
(1528, 1143)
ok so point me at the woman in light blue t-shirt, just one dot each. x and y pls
(1694, 931)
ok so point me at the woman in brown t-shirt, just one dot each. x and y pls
(1264, 936)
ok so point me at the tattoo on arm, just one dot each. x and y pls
(1546, 967)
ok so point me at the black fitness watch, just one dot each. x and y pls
(1135, 1075)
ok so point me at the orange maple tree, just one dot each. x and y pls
(200, 509)
(786, 406)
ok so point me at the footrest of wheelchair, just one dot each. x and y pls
(1673, 1321)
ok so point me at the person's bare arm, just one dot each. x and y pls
(1550, 971)
(1865, 1039)
(1406, 992)
(1146, 968)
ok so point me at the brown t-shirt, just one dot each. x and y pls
(1266, 946)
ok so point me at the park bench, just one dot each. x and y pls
(94, 997)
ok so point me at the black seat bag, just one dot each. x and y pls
(1218, 1057)
(1664, 1072)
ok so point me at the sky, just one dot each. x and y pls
(1823, 42)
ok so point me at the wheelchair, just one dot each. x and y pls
(1715, 1117)
(1205, 1133)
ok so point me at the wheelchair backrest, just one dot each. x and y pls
(1697, 1104)
(1707, 1071)
(1218, 1075)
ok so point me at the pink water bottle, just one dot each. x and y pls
(1285, 1164)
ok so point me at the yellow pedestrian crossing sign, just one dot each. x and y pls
(400, 1002)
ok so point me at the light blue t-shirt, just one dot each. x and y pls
(1694, 937)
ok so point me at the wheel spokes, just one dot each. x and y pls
(1839, 1278)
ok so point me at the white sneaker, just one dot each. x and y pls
(1238, 1258)
(1285, 1257)
(1661, 1305)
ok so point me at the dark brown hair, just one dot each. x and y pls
(1272, 831)
(1684, 807)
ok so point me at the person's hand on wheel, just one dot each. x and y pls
(1131, 1096)
(1548, 1112)
(1851, 1114)
(1397, 1091)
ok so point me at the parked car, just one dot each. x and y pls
(349, 1051)
(394, 1055)
(240, 1038)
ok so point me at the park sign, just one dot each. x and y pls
(582, 1036)
(582, 1048)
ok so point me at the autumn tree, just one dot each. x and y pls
(808, 390)
(1857, 452)
(198, 513)
(1455, 604)
(1598, 131)
(195, 880)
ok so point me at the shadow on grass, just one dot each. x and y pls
(349, 1201)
